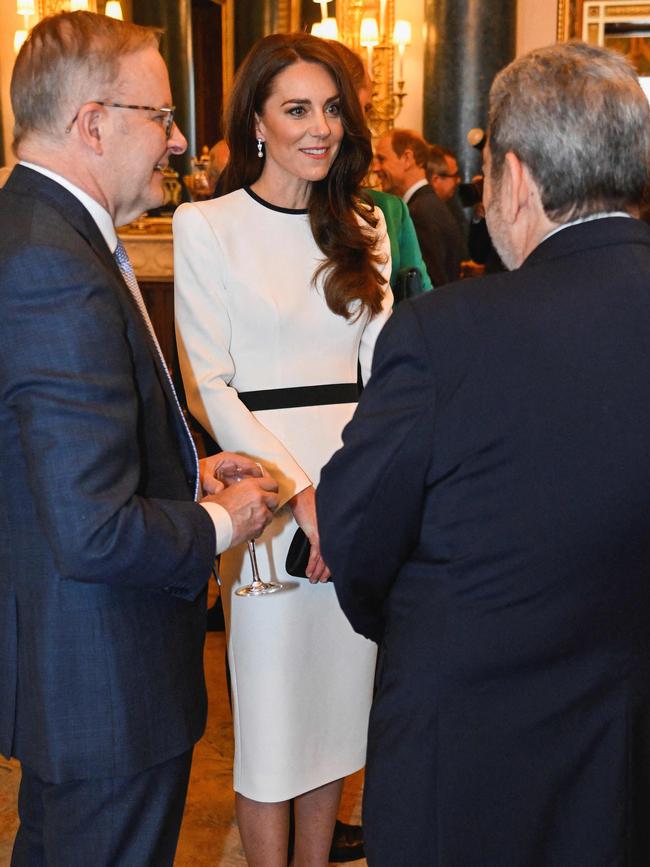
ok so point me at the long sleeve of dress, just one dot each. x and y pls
(203, 332)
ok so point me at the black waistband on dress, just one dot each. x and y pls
(304, 395)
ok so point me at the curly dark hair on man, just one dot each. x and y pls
(341, 222)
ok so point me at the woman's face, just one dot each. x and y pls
(300, 123)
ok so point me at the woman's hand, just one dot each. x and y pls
(303, 506)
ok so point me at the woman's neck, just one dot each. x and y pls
(292, 193)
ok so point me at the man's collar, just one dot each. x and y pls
(600, 216)
(99, 214)
(589, 234)
(408, 195)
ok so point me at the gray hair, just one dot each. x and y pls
(67, 60)
(576, 116)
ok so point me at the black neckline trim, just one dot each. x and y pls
(274, 207)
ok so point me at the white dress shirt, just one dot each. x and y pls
(414, 188)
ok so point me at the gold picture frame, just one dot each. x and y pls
(564, 12)
(570, 15)
(622, 25)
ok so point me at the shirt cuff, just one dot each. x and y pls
(222, 525)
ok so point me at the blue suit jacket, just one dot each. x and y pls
(488, 521)
(104, 556)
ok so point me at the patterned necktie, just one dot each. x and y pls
(126, 269)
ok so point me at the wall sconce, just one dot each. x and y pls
(378, 33)
(26, 8)
(325, 29)
(114, 10)
(19, 37)
(371, 24)
(402, 35)
(323, 13)
(368, 38)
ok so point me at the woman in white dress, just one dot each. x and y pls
(281, 290)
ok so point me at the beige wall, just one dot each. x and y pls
(536, 24)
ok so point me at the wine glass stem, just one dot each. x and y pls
(253, 556)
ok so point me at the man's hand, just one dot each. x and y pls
(209, 466)
(250, 503)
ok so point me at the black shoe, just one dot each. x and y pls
(347, 843)
(214, 621)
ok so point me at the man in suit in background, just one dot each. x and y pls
(400, 164)
(488, 517)
(442, 172)
(104, 552)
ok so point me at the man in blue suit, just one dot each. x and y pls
(487, 520)
(105, 552)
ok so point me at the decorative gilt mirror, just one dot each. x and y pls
(623, 26)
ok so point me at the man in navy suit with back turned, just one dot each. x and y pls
(105, 552)
(487, 520)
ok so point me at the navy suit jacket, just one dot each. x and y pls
(104, 556)
(439, 235)
(488, 522)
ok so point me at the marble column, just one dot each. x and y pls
(467, 43)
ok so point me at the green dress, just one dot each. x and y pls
(404, 247)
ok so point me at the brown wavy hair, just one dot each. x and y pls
(350, 270)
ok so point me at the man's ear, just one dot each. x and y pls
(407, 158)
(515, 187)
(90, 123)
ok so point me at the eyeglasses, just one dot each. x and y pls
(168, 112)
(448, 174)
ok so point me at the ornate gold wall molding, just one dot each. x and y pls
(387, 95)
(562, 13)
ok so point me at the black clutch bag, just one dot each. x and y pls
(408, 284)
(298, 555)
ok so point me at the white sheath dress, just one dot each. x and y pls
(249, 318)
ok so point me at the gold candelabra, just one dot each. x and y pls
(370, 29)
